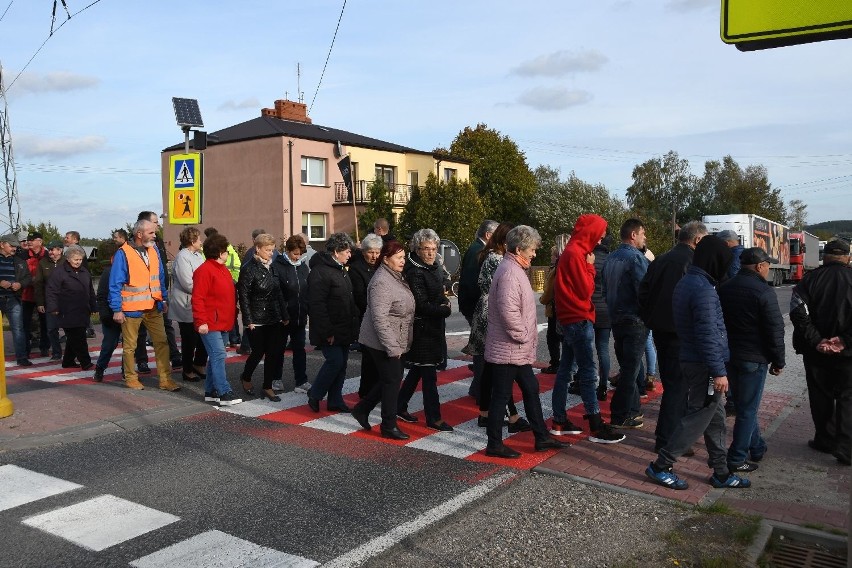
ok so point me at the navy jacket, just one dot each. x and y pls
(622, 272)
(699, 322)
(293, 281)
(753, 319)
(469, 277)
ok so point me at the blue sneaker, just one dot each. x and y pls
(733, 481)
(666, 478)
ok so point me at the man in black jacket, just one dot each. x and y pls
(655, 308)
(821, 312)
(756, 340)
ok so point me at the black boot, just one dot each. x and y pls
(99, 374)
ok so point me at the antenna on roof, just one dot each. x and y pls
(299, 92)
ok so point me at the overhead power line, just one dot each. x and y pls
(327, 57)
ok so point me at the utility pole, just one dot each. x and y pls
(10, 215)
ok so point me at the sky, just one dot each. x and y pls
(591, 87)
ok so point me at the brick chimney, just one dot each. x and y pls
(288, 110)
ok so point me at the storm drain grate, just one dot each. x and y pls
(796, 555)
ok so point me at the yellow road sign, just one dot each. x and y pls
(759, 24)
(185, 174)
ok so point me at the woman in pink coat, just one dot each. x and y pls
(511, 342)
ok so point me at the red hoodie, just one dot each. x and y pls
(575, 278)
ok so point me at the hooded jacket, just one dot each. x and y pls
(698, 318)
(575, 278)
(331, 305)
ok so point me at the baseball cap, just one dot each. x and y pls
(754, 255)
(836, 247)
(34, 235)
(10, 238)
(55, 245)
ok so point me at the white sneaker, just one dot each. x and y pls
(303, 388)
(278, 385)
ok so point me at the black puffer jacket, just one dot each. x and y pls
(261, 300)
(657, 287)
(331, 305)
(601, 251)
(293, 281)
(361, 273)
(753, 319)
(431, 308)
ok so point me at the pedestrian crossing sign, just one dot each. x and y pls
(185, 175)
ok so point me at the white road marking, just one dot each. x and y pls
(101, 522)
(22, 486)
(220, 550)
(370, 549)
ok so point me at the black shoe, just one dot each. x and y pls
(841, 459)
(177, 363)
(574, 387)
(228, 399)
(272, 397)
(550, 444)
(87, 366)
(71, 365)
(143, 368)
(519, 425)
(406, 417)
(820, 447)
(440, 426)
(313, 404)
(362, 418)
(90, 332)
(482, 422)
(395, 434)
(601, 395)
(502, 451)
(190, 378)
(340, 408)
(99, 375)
(551, 370)
(745, 467)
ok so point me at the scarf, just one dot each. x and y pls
(525, 264)
(264, 263)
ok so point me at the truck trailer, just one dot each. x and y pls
(756, 231)
(804, 254)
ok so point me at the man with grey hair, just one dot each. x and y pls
(732, 239)
(655, 308)
(137, 295)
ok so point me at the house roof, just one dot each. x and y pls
(270, 126)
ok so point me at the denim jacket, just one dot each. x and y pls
(624, 269)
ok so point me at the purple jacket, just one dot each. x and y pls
(512, 336)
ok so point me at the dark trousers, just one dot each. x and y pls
(476, 383)
(332, 374)
(554, 340)
(192, 350)
(53, 334)
(630, 339)
(386, 389)
(431, 403)
(501, 392)
(830, 395)
(75, 346)
(43, 341)
(111, 334)
(369, 373)
(673, 402)
(487, 389)
(267, 342)
(295, 333)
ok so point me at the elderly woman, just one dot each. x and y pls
(512, 342)
(188, 260)
(264, 310)
(70, 297)
(362, 266)
(426, 280)
(386, 334)
(292, 272)
(214, 309)
(334, 320)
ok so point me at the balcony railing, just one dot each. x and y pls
(399, 193)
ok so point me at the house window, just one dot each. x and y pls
(450, 173)
(413, 178)
(386, 174)
(313, 225)
(313, 171)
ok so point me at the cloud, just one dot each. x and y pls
(561, 63)
(57, 82)
(553, 98)
(29, 146)
(691, 5)
(231, 104)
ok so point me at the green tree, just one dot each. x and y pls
(453, 209)
(728, 188)
(498, 171)
(798, 214)
(49, 231)
(380, 205)
(407, 223)
(556, 204)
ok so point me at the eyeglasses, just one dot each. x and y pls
(429, 249)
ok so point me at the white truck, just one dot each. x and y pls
(756, 231)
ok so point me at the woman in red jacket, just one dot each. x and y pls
(214, 310)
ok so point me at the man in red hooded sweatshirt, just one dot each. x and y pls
(573, 287)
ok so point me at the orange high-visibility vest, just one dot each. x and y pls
(143, 287)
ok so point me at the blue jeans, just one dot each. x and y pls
(217, 379)
(108, 344)
(747, 380)
(651, 355)
(602, 335)
(331, 375)
(577, 347)
(631, 336)
(53, 334)
(11, 306)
